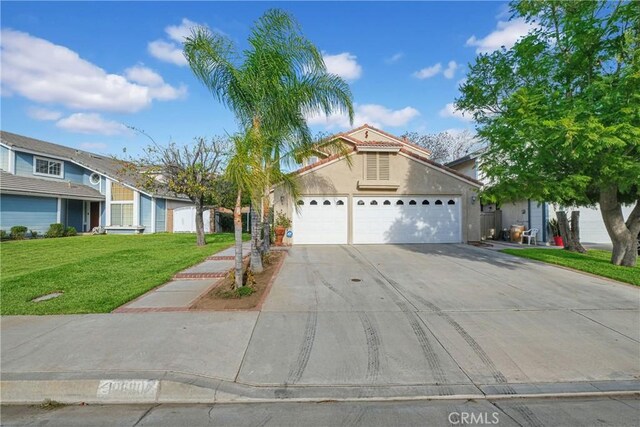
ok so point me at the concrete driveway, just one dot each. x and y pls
(441, 314)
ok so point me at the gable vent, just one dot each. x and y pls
(372, 166)
(383, 166)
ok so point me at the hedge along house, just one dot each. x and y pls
(42, 183)
(389, 192)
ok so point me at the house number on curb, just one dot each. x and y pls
(127, 388)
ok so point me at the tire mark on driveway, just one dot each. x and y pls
(433, 361)
(373, 346)
(304, 353)
(498, 376)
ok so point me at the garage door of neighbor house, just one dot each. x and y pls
(320, 220)
(411, 219)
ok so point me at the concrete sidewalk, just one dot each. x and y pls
(187, 286)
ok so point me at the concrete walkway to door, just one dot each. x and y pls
(187, 286)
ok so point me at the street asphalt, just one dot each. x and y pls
(348, 322)
(617, 412)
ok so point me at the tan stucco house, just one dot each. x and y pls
(381, 189)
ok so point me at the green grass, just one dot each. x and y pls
(594, 262)
(95, 273)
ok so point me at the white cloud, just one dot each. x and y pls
(373, 114)
(178, 33)
(343, 64)
(451, 70)
(449, 110)
(506, 34)
(43, 113)
(394, 58)
(428, 72)
(171, 51)
(48, 73)
(157, 87)
(167, 52)
(93, 146)
(91, 123)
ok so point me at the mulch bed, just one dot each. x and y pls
(218, 298)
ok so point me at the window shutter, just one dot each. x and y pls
(383, 166)
(372, 167)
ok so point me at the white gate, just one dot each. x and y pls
(184, 220)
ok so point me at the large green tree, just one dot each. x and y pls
(561, 112)
(271, 87)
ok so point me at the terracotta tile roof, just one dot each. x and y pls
(321, 162)
(440, 166)
(378, 144)
(404, 141)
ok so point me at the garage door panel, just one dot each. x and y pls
(414, 219)
(321, 220)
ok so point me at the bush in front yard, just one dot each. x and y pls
(3, 235)
(18, 232)
(55, 230)
(70, 231)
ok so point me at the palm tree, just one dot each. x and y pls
(244, 169)
(271, 87)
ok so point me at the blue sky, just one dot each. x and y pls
(75, 73)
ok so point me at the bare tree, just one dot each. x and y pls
(446, 146)
(189, 170)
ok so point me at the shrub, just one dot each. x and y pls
(282, 220)
(55, 230)
(18, 232)
(3, 235)
(34, 234)
(70, 231)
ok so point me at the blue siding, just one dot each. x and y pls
(74, 214)
(36, 213)
(24, 164)
(145, 212)
(160, 215)
(74, 173)
(4, 158)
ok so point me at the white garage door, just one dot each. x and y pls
(320, 220)
(416, 219)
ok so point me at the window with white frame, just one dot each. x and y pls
(48, 167)
(121, 205)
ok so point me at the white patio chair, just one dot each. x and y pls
(530, 235)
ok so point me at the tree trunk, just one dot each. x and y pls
(266, 242)
(256, 255)
(570, 234)
(237, 230)
(200, 240)
(575, 232)
(623, 234)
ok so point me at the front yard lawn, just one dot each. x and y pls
(594, 262)
(95, 273)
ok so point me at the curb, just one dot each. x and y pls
(185, 390)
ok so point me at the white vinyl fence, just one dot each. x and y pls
(184, 220)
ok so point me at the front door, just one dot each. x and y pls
(95, 215)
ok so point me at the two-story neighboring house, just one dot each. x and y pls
(42, 183)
